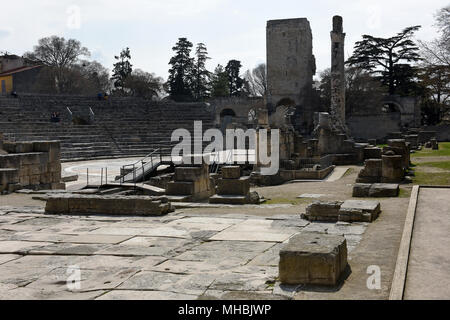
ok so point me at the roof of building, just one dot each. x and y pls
(17, 70)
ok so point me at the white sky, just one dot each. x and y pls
(231, 29)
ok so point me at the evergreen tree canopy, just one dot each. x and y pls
(219, 83)
(382, 55)
(180, 81)
(235, 82)
(201, 75)
(122, 69)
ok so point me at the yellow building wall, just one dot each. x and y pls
(8, 84)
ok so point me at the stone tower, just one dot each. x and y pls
(291, 67)
(337, 108)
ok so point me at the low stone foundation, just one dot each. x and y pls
(323, 211)
(359, 211)
(192, 183)
(109, 205)
(348, 211)
(375, 190)
(312, 258)
(234, 189)
(306, 174)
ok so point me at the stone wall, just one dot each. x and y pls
(34, 165)
(290, 66)
(364, 127)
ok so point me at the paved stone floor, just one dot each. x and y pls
(429, 260)
(201, 252)
(179, 256)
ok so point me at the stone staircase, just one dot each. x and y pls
(120, 127)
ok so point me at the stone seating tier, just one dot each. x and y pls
(121, 126)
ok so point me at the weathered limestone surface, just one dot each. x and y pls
(290, 66)
(37, 162)
(323, 211)
(191, 181)
(338, 75)
(234, 189)
(372, 153)
(348, 211)
(239, 186)
(116, 205)
(231, 172)
(375, 190)
(392, 169)
(359, 211)
(371, 172)
(312, 258)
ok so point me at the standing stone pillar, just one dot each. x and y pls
(337, 108)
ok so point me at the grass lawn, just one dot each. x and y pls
(432, 178)
(444, 150)
(427, 178)
(445, 165)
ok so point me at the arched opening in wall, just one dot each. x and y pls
(391, 107)
(284, 111)
(226, 118)
(285, 102)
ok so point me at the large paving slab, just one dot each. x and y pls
(429, 259)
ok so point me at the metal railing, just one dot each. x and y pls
(147, 162)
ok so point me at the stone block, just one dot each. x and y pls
(371, 172)
(313, 258)
(228, 199)
(323, 211)
(354, 215)
(372, 153)
(115, 205)
(53, 149)
(57, 186)
(361, 190)
(239, 186)
(231, 172)
(9, 147)
(8, 176)
(381, 190)
(372, 208)
(24, 147)
(392, 169)
(180, 188)
(190, 173)
(57, 205)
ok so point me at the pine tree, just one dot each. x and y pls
(235, 82)
(382, 55)
(219, 83)
(201, 75)
(122, 69)
(180, 81)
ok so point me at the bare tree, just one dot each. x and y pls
(437, 52)
(60, 54)
(144, 84)
(257, 80)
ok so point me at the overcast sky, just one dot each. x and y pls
(231, 29)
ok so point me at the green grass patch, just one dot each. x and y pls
(381, 145)
(427, 178)
(404, 193)
(349, 172)
(444, 150)
(445, 165)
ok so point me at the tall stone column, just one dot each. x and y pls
(337, 109)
